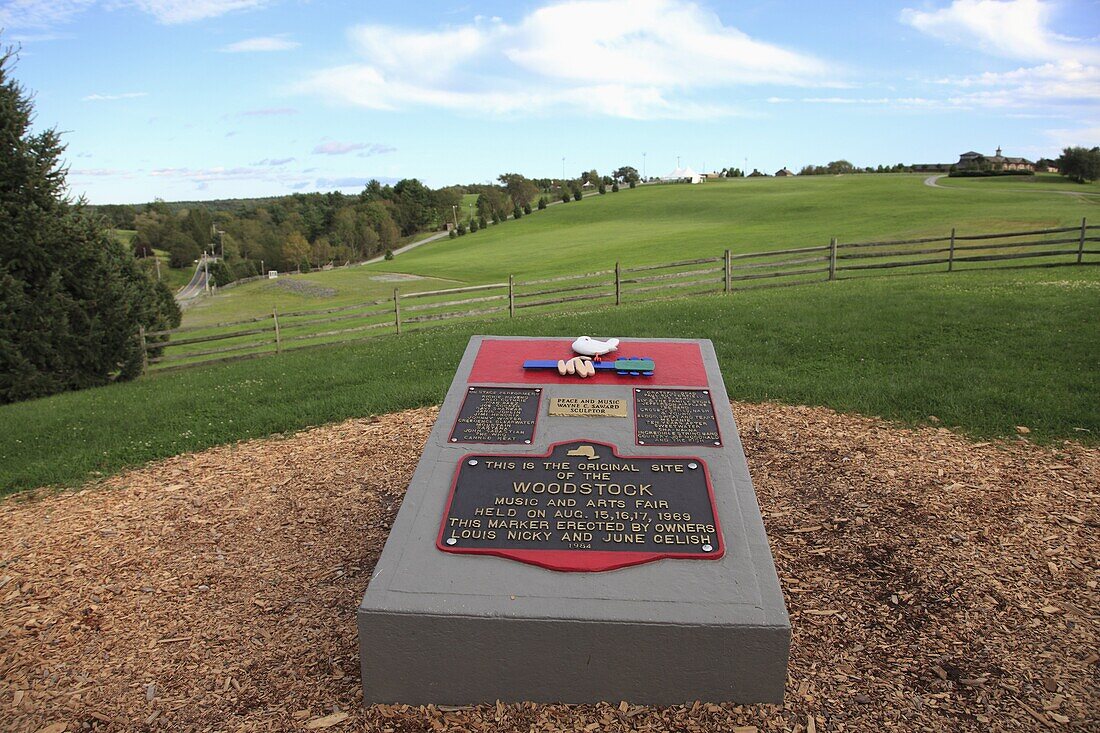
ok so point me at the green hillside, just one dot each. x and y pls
(659, 223)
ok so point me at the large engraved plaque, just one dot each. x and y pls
(497, 415)
(581, 507)
(675, 417)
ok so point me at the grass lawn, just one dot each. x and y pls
(125, 236)
(1038, 183)
(660, 223)
(982, 351)
(468, 207)
(308, 291)
(174, 277)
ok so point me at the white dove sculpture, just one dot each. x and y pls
(588, 346)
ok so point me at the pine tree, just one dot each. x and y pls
(71, 298)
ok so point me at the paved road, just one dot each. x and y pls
(197, 285)
(931, 181)
(412, 245)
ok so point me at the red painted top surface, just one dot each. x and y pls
(500, 361)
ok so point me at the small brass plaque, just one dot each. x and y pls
(587, 407)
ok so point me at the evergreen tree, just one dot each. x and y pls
(71, 297)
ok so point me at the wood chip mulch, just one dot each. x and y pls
(934, 583)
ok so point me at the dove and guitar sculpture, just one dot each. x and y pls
(589, 359)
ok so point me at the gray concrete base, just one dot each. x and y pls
(420, 659)
(444, 628)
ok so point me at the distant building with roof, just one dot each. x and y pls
(972, 161)
(783, 173)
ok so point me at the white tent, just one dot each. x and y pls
(683, 174)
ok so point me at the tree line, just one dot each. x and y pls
(301, 232)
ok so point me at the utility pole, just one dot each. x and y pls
(454, 212)
(563, 169)
(643, 167)
(206, 267)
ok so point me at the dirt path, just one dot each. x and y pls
(934, 583)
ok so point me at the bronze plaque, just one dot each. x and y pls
(497, 415)
(675, 417)
(582, 507)
(587, 407)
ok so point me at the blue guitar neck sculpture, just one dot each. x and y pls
(626, 367)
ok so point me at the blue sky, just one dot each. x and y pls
(200, 99)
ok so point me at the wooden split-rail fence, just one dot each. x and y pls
(276, 332)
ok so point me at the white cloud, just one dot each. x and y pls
(342, 182)
(261, 43)
(1088, 137)
(187, 11)
(637, 59)
(894, 102)
(651, 42)
(1069, 74)
(269, 112)
(112, 97)
(40, 13)
(221, 173)
(1062, 83)
(1013, 28)
(100, 172)
(422, 55)
(40, 37)
(49, 13)
(335, 147)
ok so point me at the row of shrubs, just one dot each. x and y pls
(480, 222)
(987, 174)
(473, 224)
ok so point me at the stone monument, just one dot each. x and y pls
(578, 537)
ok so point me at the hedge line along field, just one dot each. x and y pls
(661, 223)
(981, 352)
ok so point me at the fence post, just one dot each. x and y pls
(511, 296)
(618, 284)
(1081, 242)
(951, 253)
(832, 258)
(144, 350)
(278, 339)
(397, 309)
(728, 269)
